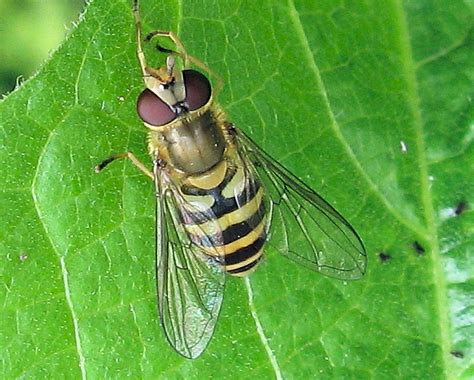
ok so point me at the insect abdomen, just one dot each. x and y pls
(237, 230)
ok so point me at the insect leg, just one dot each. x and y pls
(138, 29)
(181, 51)
(131, 157)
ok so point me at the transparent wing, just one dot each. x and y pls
(190, 284)
(304, 227)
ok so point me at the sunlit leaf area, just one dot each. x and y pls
(368, 102)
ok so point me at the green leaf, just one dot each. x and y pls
(369, 102)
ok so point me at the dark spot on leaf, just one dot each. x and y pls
(460, 208)
(418, 248)
(384, 257)
(458, 354)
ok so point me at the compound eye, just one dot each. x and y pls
(153, 110)
(198, 89)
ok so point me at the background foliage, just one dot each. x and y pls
(369, 102)
(26, 38)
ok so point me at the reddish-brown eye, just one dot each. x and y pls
(153, 110)
(198, 89)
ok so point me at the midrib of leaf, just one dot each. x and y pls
(430, 231)
(439, 282)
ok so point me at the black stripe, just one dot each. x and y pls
(236, 231)
(222, 206)
(245, 253)
(231, 233)
(245, 267)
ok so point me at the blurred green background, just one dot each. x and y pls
(29, 31)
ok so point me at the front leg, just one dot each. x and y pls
(131, 157)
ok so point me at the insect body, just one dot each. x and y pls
(220, 201)
(230, 219)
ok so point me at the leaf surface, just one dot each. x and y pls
(368, 102)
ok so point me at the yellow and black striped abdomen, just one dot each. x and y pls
(231, 221)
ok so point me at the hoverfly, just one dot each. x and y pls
(220, 200)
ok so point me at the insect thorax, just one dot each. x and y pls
(192, 144)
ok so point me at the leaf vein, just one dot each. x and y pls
(261, 333)
(439, 280)
(64, 272)
(300, 32)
